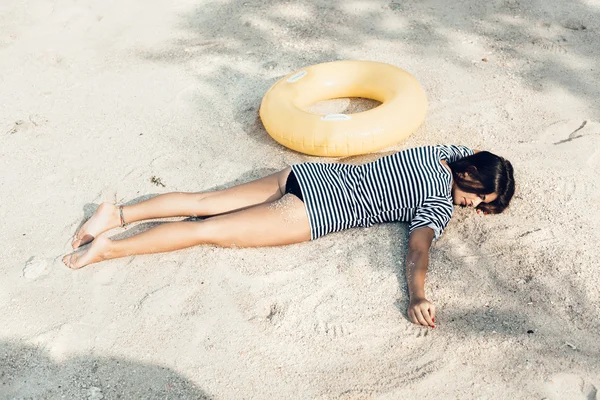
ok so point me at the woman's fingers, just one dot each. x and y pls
(420, 318)
(427, 310)
(422, 313)
(427, 317)
(432, 312)
(415, 317)
(412, 317)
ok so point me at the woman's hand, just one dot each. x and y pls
(421, 312)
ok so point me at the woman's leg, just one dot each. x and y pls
(283, 221)
(107, 216)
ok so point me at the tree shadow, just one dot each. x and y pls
(256, 43)
(514, 291)
(30, 372)
(540, 46)
(516, 308)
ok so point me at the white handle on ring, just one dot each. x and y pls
(336, 117)
(297, 76)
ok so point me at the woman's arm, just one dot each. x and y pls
(420, 310)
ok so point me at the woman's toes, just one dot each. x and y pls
(69, 260)
(106, 217)
(78, 242)
(77, 259)
(96, 252)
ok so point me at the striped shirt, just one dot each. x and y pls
(411, 185)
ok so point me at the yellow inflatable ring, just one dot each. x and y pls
(283, 108)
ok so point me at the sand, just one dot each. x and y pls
(119, 101)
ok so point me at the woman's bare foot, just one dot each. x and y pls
(98, 251)
(106, 217)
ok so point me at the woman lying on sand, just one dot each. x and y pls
(306, 201)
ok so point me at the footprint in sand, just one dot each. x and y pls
(553, 46)
(33, 121)
(566, 191)
(17, 126)
(570, 386)
(164, 301)
(35, 268)
(266, 311)
(331, 330)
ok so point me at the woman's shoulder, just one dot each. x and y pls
(453, 152)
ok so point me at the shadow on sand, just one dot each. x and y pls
(29, 372)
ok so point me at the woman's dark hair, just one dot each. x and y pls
(487, 173)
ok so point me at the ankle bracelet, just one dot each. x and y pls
(123, 223)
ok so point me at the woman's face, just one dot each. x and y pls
(466, 199)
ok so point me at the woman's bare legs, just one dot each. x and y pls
(267, 189)
(283, 221)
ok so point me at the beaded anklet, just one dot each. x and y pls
(123, 223)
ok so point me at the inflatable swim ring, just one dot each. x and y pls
(283, 108)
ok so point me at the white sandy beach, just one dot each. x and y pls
(100, 99)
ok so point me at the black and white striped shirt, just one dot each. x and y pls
(411, 185)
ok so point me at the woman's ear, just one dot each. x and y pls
(470, 173)
(471, 170)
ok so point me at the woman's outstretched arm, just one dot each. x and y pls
(420, 310)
